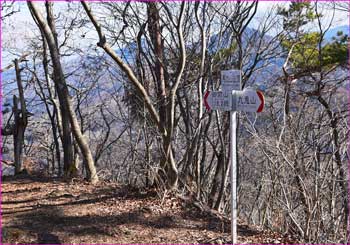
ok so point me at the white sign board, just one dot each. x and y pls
(231, 80)
(248, 100)
(218, 100)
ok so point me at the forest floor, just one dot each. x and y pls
(51, 211)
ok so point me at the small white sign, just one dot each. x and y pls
(231, 80)
(248, 100)
(218, 100)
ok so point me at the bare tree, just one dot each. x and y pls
(166, 130)
(69, 119)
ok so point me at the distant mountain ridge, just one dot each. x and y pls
(127, 53)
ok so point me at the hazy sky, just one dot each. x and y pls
(18, 29)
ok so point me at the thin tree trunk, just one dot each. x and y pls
(200, 96)
(63, 95)
(18, 137)
(337, 157)
(156, 38)
(219, 171)
(20, 121)
(55, 118)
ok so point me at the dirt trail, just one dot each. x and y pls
(51, 211)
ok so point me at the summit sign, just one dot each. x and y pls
(230, 80)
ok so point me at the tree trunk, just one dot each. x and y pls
(156, 38)
(215, 189)
(18, 137)
(63, 95)
(55, 117)
(20, 121)
(167, 160)
(169, 165)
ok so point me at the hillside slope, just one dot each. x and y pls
(37, 210)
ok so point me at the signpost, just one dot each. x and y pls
(233, 161)
(232, 99)
(231, 81)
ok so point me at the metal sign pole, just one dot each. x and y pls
(233, 162)
(232, 99)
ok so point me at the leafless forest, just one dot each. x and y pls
(113, 91)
